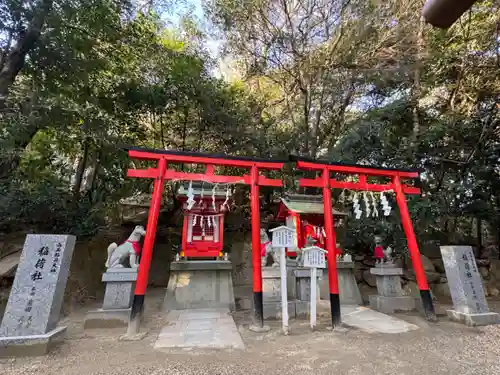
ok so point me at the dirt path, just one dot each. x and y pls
(442, 348)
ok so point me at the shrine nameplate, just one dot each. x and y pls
(314, 257)
(283, 237)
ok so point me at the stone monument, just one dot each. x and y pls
(29, 326)
(120, 277)
(469, 303)
(390, 297)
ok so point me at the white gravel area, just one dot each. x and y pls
(441, 348)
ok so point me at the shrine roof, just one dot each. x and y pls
(307, 204)
(206, 188)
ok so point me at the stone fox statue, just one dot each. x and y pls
(267, 248)
(129, 250)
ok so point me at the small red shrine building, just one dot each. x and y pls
(305, 214)
(203, 222)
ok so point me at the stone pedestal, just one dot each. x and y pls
(291, 282)
(474, 320)
(271, 284)
(466, 288)
(115, 311)
(272, 309)
(271, 293)
(33, 345)
(298, 288)
(199, 284)
(303, 283)
(348, 287)
(390, 296)
(302, 277)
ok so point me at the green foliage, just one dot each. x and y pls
(371, 83)
(99, 78)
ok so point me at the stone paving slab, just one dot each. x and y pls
(373, 321)
(203, 328)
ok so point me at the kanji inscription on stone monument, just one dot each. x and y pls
(466, 287)
(464, 279)
(37, 292)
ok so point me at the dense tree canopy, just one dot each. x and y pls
(366, 82)
(370, 82)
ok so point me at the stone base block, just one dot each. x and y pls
(474, 320)
(199, 285)
(120, 285)
(296, 309)
(244, 303)
(271, 284)
(302, 309)
(272, 309)
(303, 283)
(101, 318)
(389, 305)
(200, 265)
(348, 287)
(30, 346)
(118, 295)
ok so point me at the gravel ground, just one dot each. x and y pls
(441, 348)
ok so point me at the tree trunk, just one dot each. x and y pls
(95, 172)
(16, 58)
(80, 170)
(89, 176)
(315, 127)
(479, 233)
(491, 245)
(305, 109)
(416, 89)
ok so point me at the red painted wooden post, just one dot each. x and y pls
(147, 251)
(185, 224)
(330, 247)
(256, 256)
(414, 252)
(298, 228)
(221, 229)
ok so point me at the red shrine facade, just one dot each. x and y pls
(305, 214)
(203, 206)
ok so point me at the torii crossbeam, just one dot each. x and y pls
(327, 183)
(161, 173)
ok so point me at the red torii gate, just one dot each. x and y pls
(327, 183)
(162, 173)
